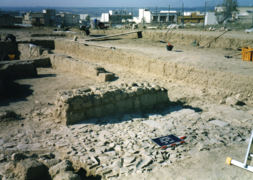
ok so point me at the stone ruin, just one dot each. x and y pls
(80, 104)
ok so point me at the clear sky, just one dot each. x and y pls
(116, 3)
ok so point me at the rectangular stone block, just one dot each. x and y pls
(103, 77)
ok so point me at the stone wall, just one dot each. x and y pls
(80, 104)
(17, 69)
(93, 71)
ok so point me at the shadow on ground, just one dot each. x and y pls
(14, 92)
(83, 174)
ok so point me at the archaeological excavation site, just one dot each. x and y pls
(119, 104)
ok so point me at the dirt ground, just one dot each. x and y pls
(38, 94)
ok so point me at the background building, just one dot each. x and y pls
(69, 19)
(9, 18)
(116, 16)
(244, 14)
(152, 17)
(210, 18)
(191, 17)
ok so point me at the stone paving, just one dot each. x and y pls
(120, 146)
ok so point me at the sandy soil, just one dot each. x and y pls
(203, 58)
(39, 93)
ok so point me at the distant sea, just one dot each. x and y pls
(97, 11)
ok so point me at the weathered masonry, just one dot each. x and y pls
(81, 104)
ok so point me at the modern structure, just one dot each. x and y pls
(210, 18)
(45, 18)
(191, 17)
(10, 18)
(146, 16)
(83, 16)
(68, 19)
(116, 16)
(243, 14)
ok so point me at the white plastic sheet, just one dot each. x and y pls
(248, 30)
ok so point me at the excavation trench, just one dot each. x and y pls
(217, 83)
(121, 117)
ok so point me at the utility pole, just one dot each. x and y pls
(169, 16)
(156, 16)
(252, 19)
(183, 14)
(204, 17)
(143, 17)
(226, 14)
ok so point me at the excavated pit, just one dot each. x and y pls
(155, 93)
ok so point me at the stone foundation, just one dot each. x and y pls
(93, 71)
(80, 104)
(17, 69)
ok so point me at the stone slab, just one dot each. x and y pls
(219, 123)
(153, 124)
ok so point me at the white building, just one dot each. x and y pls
(150, 17)
(210, 18)
(105, 17)
(116, 16)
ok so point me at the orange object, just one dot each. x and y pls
(11, 56)
(247, 56)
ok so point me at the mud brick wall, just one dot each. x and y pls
(17, 69)
(93, 71)
(80, 104)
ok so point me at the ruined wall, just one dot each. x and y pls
(17, 69)
(224, 83)
(85, 103)
(84, 68)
